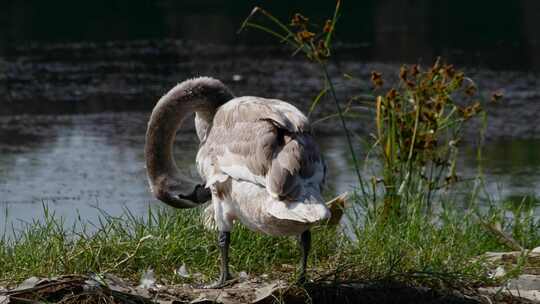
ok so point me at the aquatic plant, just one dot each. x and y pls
(419, 127)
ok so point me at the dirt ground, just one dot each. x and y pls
(111, 289)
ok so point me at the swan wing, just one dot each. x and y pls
(266, 142)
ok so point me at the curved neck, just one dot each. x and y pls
(200, 95)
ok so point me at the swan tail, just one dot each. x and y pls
(308, 210)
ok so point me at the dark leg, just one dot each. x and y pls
(224, 239)
(305, 245)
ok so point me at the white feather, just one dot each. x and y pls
(233, 166)
(216, 178)
(308, 211)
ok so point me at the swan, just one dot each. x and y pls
(257, 158)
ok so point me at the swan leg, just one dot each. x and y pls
(224, 240)
(224, 223)
(304, 241)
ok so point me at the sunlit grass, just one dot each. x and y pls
(425, 250)
(163, 240)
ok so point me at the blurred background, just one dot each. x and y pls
(78, 79)
(497, 33)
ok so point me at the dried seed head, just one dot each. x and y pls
(449, 71)
(376, 79)
(403, 71)
(299, 20)
(459, 79)
(392, 94)
(304, 36)
(323, 51)
(470, 90)
(496, 96)
(471, 110)
(415, 70)
(327, 26)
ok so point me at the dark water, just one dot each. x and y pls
(81, 165)
(495, 33)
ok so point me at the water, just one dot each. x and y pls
(495, 33)
(82, 165)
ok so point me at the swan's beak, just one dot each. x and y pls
(337, 206)
(180, 192)
(199, 195)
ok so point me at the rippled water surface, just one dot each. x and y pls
(87, 164)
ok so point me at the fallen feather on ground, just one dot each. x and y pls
(242, 275)
(148, 280)
(183, 272)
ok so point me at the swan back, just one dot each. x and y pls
(266, 142)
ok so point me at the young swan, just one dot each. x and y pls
(257, 157)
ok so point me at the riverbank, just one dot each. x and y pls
(172, 252)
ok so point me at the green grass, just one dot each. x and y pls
(129, 245)
(429, 251)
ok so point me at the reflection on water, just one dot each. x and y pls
(79, 164)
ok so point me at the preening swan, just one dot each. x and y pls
(257, 157)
